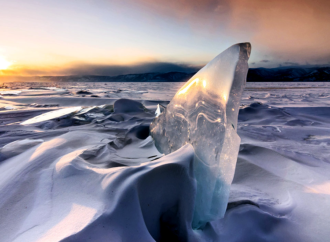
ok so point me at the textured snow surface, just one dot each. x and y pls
(91, 178)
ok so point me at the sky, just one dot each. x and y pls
(103, 37)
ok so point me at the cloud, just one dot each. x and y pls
(280, 30)
(291, 63)
(104, 70)
(200, 13)
(298, 29)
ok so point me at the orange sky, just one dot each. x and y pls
(103, 37)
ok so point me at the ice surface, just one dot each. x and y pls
(11, 92)
(204, 113)
(100, 181)
(51, 115)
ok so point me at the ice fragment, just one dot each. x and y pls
(204, 113)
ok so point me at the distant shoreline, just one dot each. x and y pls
(280, 74)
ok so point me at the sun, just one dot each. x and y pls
(4, 64)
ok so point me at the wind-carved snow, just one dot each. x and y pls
(204, 114)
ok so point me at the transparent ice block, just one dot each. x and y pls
(204, 114)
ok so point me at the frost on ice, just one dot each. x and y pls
(204, 114)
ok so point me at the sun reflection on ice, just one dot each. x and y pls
(184, 90)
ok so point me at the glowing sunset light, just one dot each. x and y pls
(184, 90)
(110, 38)
(4, 64)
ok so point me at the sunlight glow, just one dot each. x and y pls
(4, 64)
(321, 188)
(204, 83)
(187, 87)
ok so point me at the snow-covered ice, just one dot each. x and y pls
(102, 179)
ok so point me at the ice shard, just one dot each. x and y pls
(204, 114)
(52, 115)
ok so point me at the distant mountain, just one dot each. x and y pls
(289, 74)
(280, 74)
(146, 77)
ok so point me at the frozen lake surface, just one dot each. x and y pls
(284, 93)
(57, 175)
